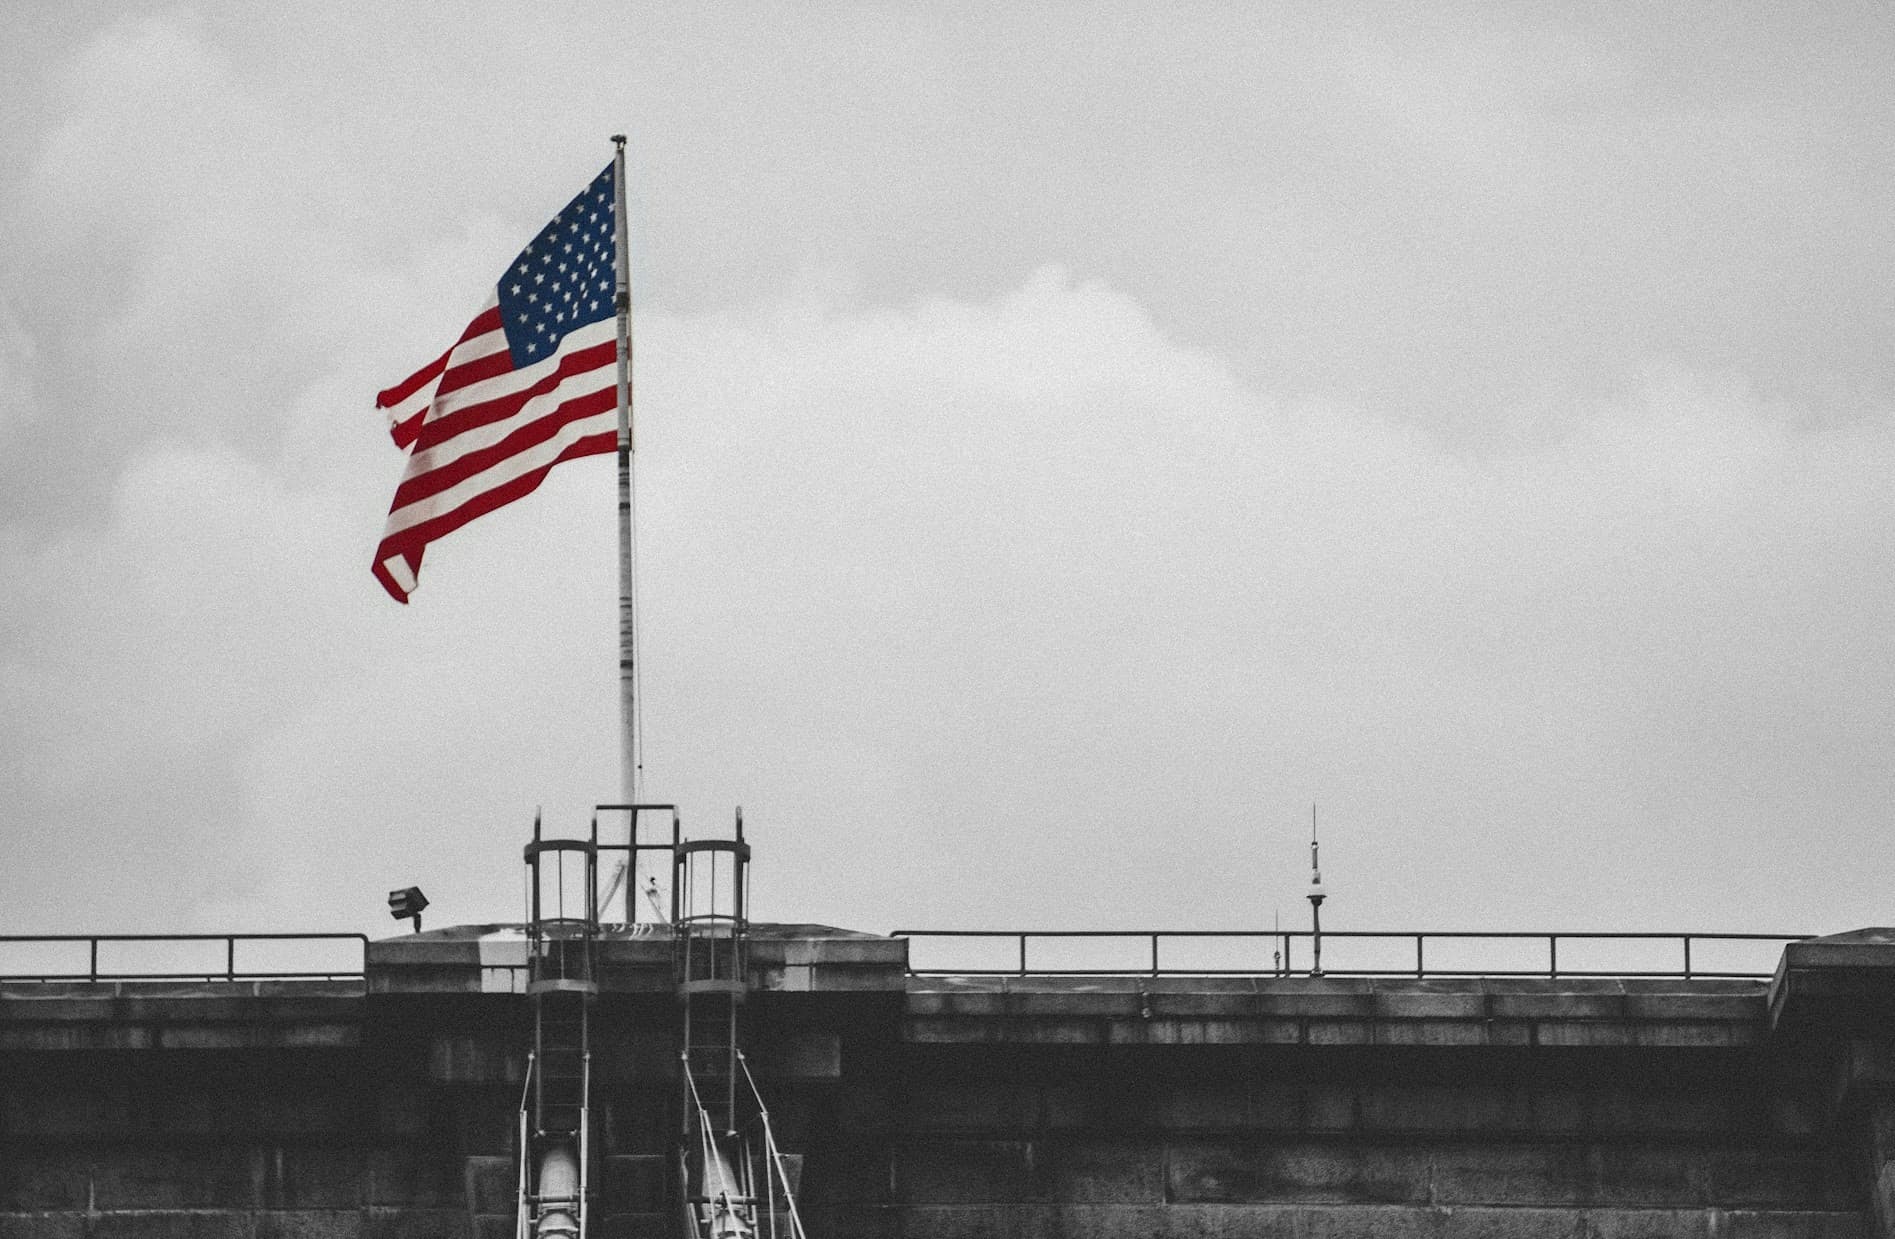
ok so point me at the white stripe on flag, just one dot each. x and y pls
(397, 566)
(503, 471)
(475, 438)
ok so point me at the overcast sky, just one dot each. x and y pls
(1073, 439)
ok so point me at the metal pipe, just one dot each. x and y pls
(519, 1211)
(730, 1214)
(585, 1159)
(557, 1189)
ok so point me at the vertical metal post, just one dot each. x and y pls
(519, 1214)
(742, 908)
(1420, 971)
(585, 1124)
(628, 613)
(1022, 954)
(1316, 894)
(1552, 955)
(730, 1066)
(677, 837)
(1154, 954)
(631, 866)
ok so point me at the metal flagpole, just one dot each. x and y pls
(628, 715)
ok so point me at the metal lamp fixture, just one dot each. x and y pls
(406, 904)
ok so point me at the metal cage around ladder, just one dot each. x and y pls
(734, 1184)
(555, 1136)
(732, 1180)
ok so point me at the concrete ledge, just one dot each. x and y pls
(42, 1225)
(1336, 1011)
(204, 1015)
(1125, 1010)
(1264, 1221)
(479, 958)
(1843, 980)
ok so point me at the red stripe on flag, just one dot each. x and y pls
(575, 408)
(486, 412)
(475, 370)
(487, 320)
(407, 387)
(412, 541)
(405, 432)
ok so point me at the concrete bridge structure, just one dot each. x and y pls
(940, 1107)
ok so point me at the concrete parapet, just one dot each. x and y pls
(1277, 1221)
(214, 1015)
(1336, 1011)
(474, 959)
(999, 1105)
(1842, 981)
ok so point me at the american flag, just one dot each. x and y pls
(531, 382)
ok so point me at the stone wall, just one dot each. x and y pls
(935, 1108)
(1245, 1140)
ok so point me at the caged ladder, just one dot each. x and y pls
(555, 1137)
(732, 1177)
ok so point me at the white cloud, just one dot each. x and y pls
(1026, 572)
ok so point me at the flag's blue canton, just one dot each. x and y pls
(564, 278)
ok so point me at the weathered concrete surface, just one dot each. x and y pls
(130, 1015)
(921, 1107)
(472, 959)
(1339, 1011)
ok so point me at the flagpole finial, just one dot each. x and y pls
(618, 139)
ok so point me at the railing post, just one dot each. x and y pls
(1154, 954)
(92, 968)
(1552, 955)
(1022, 954)
(1419, 970)
(230, 957)
(1687, 957)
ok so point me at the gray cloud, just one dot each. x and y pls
(1065, 452)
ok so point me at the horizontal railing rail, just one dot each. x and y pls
(98, 964)
(1279, 952)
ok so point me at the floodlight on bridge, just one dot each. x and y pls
(407, 904)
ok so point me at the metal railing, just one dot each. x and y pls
(1278, 953)
(170, 947)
